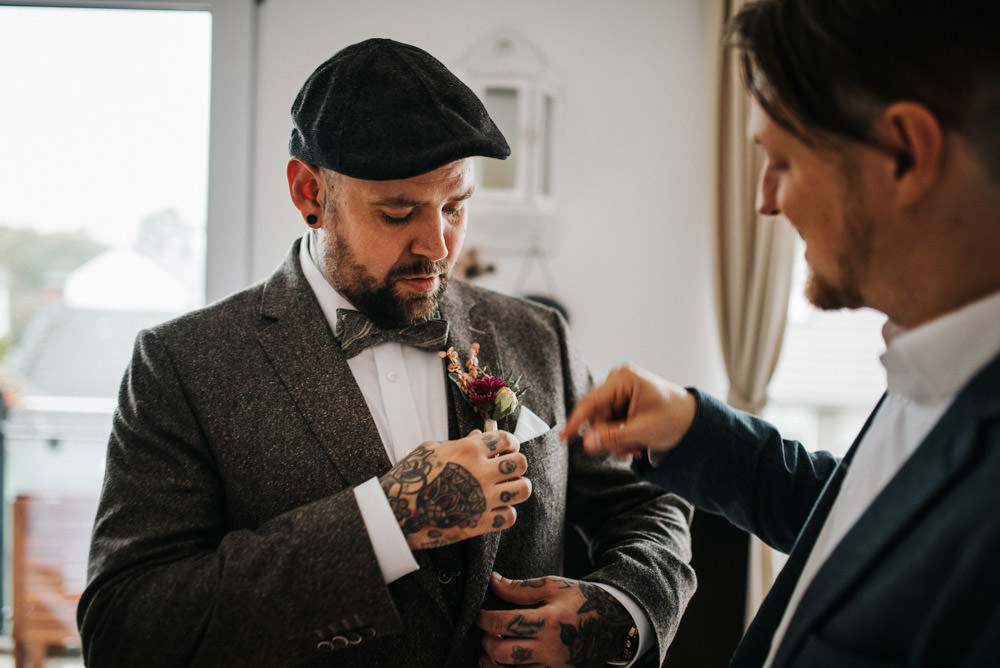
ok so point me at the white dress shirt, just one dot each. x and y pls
(925, 368)
(406, 393)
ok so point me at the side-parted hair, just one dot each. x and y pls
(831, 66)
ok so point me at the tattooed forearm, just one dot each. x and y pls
(420, 499)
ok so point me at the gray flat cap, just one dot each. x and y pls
(381, 110)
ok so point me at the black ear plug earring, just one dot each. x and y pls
(311, 219)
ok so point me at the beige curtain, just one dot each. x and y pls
(755, 257)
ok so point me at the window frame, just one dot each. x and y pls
(229, 214)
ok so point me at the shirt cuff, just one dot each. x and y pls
(639, 618)
(393, 554)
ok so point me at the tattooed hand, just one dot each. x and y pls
(442, 493)
(563, 623)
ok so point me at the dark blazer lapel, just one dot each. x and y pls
(939, 459)
(464, 330)
(307, 359)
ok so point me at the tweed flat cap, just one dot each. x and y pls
(381, 110)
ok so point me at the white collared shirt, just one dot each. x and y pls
(925, 369)
(406, 394)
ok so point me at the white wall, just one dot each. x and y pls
(633, 260)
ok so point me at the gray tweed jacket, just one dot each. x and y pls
(228, 533)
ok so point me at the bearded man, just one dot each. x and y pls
(878, 122)
(292, 479)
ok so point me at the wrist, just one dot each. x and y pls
(629, 645)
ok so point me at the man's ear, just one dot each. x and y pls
(914, 136)
(303, 186)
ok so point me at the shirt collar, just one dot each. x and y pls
(933, 361)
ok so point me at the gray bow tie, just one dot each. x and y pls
(355, 332)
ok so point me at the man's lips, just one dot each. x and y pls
(420, 283)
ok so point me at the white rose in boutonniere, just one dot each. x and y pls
(493, 397)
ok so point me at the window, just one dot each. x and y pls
(106, 215)
(829, 376)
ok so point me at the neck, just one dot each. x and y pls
(951, 261)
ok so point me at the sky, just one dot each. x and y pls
(103, 118)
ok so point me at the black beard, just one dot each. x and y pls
(390, 310)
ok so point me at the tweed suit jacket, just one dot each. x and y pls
(228, 533)
(914, 583)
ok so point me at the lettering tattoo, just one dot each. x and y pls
(524, 628)
(419, 499)
(596, 638)
(507, 497)
(507, 467)
(498, 521)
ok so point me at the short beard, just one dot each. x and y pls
(379, 299)
(855, 257)
(828, 297)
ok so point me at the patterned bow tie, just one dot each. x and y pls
(355, 332)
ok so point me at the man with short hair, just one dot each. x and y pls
(878, 121)
(280, 487)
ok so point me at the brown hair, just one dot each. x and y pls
(830, 66)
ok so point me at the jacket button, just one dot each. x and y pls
(354, 638)
(325, 645)
(339, 642)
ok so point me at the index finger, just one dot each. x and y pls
(499, 442)
(596, 405)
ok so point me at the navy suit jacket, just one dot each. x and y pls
(914, 583)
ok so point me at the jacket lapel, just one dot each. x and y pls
(466, 329)
(936, 463)
(310, 365)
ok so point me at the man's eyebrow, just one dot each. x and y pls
(398, 201)
(401, 201)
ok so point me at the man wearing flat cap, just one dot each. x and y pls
(293, 480)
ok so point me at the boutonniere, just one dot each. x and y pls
(492, 396)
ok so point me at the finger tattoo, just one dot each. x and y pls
(490, 440)
(507, 467)
(519, 626)
(507, 497)
(520, 654)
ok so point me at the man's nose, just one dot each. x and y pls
(430, 241)
(767, 201)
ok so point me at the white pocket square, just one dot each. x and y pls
(529, 425)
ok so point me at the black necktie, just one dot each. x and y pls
(355, 332)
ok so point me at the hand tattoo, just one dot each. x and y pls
(453, 498)
(507, 467)
(520, 654)
(490, 440)
(519, 626)
(595, 639)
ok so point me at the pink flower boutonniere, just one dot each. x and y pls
(493, 397)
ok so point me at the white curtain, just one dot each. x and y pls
(754, 268)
